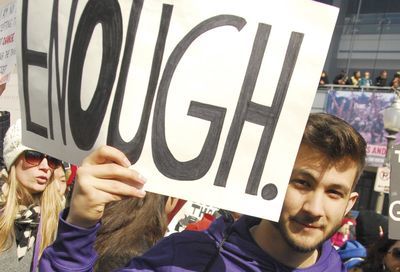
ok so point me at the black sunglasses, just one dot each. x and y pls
(34, 158)
(395, 252)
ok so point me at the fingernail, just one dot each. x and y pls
(142, 192)
(127, 162)
(142, 178)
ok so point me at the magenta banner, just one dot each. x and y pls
(364, 111)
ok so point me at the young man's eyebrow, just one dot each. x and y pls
(304, 174)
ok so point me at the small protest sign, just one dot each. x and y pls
(394, 197)
(8, 22)
(208, 99)
(382, 180)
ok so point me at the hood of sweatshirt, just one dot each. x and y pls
(238, 246)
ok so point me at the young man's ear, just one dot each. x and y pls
(352, 200)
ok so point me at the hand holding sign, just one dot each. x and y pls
(103, 177)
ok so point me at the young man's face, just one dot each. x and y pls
(317, 198)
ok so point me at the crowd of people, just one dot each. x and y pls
(102, 227)
(363, 244)
(357, 79)
(54, 217)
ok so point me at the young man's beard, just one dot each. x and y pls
(302, 249)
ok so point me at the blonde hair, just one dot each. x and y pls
(50, 206)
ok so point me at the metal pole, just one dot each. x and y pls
(379, 202)
(381, 196)
(350, 55)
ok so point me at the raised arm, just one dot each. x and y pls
(103, 177)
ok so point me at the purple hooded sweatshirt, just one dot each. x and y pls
(225, 246)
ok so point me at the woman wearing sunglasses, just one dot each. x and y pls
(29, 205)
(383, 256)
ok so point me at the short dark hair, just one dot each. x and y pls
(336, 139)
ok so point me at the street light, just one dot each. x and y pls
(391, 115)
(391, 122)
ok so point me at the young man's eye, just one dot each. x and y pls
(301, 183)
(335, 194)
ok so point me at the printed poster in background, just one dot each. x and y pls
(394, 197)
(8, 42)
(9, 100)
(201, 95)
(364, 111)
(191, 212)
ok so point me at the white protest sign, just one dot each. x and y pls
(8, 23)
(208, 98)
(394, 196)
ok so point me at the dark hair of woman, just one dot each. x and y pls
(375, 255)
(129, 227)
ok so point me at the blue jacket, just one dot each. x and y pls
(223, 247)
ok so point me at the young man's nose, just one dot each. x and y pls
(313, 204)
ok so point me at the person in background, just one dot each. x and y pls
(4, 121)
(320, 193)
(205, 222)
(344, 233)
(355, 78)
(366, 80)
(70, 183)
(352, 254)
(324, 78)
(370, 227)
(61, 176)
(395, 78)
(341, 78)
(29, 204)
(4, 125)
(129, 228)
(381, 80)
(395, 84)
(383, 256)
